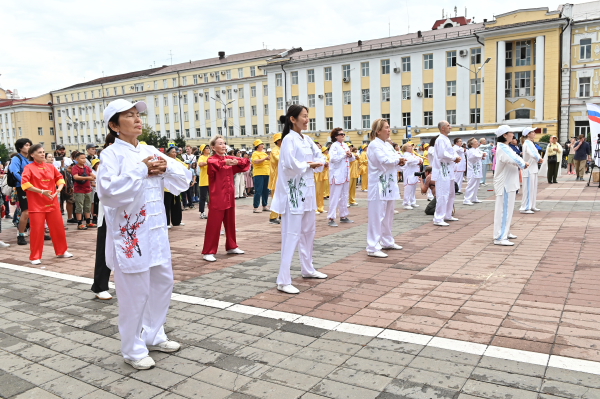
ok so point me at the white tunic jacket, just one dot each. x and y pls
(443, 169)
(136, 224)
(531, 156)
(506, 176)
(383, 169)
(295, 185)
(410, 167)
(339, 163)
(474, 166)
(460, 167)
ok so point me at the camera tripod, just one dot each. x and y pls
(594, 159)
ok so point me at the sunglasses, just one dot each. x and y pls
(341, 134)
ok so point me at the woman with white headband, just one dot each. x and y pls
(530, 175)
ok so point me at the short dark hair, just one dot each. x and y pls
(456, 140)
(19, 144)
(428, 169)
(335, 132)
(169, 149)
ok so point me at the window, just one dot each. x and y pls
(185, 99)
(240, 73)
(164, 83)
(51, 131)
(584, 87)
(385, 67)
(451, 59)
(184, 80)
(475, 115)
(266, 128)
(195, 98)
(220, 130)
(230, 129)
(197, 132)
(386, 117)
(585, 49)
(242, 112)
(207, 114)
(242, 130)
(310, 74)
(328, 99)
(58, 99)
(347, 97)
(522, 114)
(278, 80)
(451, 88)
(312, 124)
(206, 81)
(523, 53)
(366, 97)
(582, 127)
(427, 61)
(385, 94)
(279, 126)
(196, 115)
(252, 71)
(40, 131)
(428, 90)
(279, 102)
(195, 79)
(93, 93)
(253, 110)
(254, 130)
(85, 92)
(185, 117)
(187, 133)
(508, 84)
(328, 123)
(265, 90)
(347, 122)
(157, 117)
(114, 91)
(252, 91)
(122, 88)
(166, 118)
(364, 69)
(406, 92)
(176, 117)
(218, 113)
(522, 84)
(294, 76)
(428, 118)
(476, 86)
(217, 76)
(166, 101)
(175, 99)
(508, 54)
(50, 116)
(206, 97)
(174, 82)
(366, 121)
(229, 94)
(228, 74)
(451, 116)
(266, 107)
(295, 100)
(346, 71)
(311, 101)
(208, 132)
(328, 74)
(60, 127)
(241, 93)
(476, 56)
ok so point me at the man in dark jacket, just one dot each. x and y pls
(582, 155)
(17, 164)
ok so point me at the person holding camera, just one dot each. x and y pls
(530, 175)
(411, 174)
(443, 174)
(428, 187)
(474, 171)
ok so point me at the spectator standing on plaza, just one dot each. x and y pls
(82, 176)
(474, 170)
(444, 160)
(187, 196)
(487, 149)
(570, 153)
(363, 168)
(582, 154)
(273, 170)
(16, 167)
(412, 165)
(41, 182)
(295, 196)
(551, 164)
(260, 175)
(353, 179)
(460, 167)
(530, 175)
(131, 181)
(173, 201)
(203, 179)
(340, 157)
(248, 175)
(506, 184)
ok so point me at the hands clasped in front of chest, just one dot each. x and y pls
(155, 166)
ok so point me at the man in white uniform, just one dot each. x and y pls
(443, 175)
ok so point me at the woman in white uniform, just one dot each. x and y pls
(411, 166)
(131, 181)
(384, 164)
(339, 177)
(295, 198)
(530, 175)
(459, 168)
(506, 184)
(474, 171)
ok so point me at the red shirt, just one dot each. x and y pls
(220, 180)
(43, 176)
(81, 186)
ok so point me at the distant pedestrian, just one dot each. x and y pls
(582, 154)
(551, 164)
(16, 167)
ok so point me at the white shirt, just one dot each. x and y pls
(460, 167)
(474, 168)
(189, 159)
(443, 169)
(410, 167)
(383, 169)
(295, 187)
(531, 156)
(339, 163)
(67, 162)
(506, 176)
(136, 228)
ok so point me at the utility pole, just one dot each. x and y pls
(476, 72)
(171, 54)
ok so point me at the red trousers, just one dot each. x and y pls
(217, 217)
(36, 234)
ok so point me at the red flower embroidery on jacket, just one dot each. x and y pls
(129, 234)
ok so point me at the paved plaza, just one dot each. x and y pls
(449, 316)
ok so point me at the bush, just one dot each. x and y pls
(545, 138)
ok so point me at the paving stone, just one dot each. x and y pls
(374, 367)
(36, 393)
(180, 366)
(303, 329)
(130, 388)
(63, 363)
(99, 394)
(412, 349)
(565, 390)
(252, 329)
(338, 390)
(169, 395)
(290, 378)
(200, 355)
(243, 366)
(493, 391)
(192, 388)
(89, 354)
(10, 362)
(96, 376)
(440, 366)
(449, 355)
(115, 363)
(307, 366)
(508, 379)
(36, 374)
(260, 355)
(159, 377)
(573, 377)
(425, 377)
(360, 378)
(292, 338)
(414, 390)
(238, 338)
(222, 378)
(239, 395)
(511, 366)
(383, 355)
(335, 346)
(267, 390)
(11, 385)
(68, 387)
(273, 324)
(271, 345)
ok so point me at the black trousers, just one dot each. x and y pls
(553, 171)
(203, 197)
(101, 271)
(173, 209)
(186, 197)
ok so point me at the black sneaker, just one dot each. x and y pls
(21, 240)
(274, 221)
(73, 221)
(47, 237)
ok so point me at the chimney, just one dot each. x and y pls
(419, 34)
(360, 43)
(221, 55)
(485, 20)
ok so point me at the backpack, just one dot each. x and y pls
(11, 180)
(5, 189)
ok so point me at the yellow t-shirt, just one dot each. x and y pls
(203, 172)
(260, 169)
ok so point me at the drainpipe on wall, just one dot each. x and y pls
(284, 89)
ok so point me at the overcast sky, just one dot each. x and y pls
(50, 44)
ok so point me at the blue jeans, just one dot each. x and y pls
(261, 188)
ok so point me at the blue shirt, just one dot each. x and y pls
(583, 151)
(17, 164)
(515, 149)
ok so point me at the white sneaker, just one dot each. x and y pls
(393, 246)
(355, 204)
(288, 289)
(476, 201)
(169, 227)
(235, 251)
(377, 254)
(408, 207)
(104, 295)
(468, 203)
(451, 219)
(395, 212)
(209, 258)
(440, 224)
(511, 236)
(65, 255)
(166, 346)
(316, 274)
(142, 364)
(222, 232)
(4, 245)
(503, 242)
(527, 211)
(536, 209)
(36, 262)
(414, 205)
(483, 184)
(182, 224)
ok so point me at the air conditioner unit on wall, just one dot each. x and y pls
(223, 91)
(463, 53)
(321, 96)
(346, 80)
(199, 76)
(396, 70)
(419, 94)
(235, 90)
(212, 74)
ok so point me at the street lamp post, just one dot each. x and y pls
(76, 126)
(224, 104)
(476, 72)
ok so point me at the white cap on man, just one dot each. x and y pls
(502, 130)
(121, 105)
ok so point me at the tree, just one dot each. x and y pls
(3, 153)
(545, 138)
(179, 142)
(150, 137)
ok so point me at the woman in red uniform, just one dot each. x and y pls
(221, 207)
(39, 181)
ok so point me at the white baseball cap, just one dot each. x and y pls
(502, 130)
(121, 105)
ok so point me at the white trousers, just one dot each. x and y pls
(505, 205)
(144, 300)
(530, 184)
(430, 196)
(296, 231)
(379, 227)
(239, 184)
(338, 198)
(471, 190)
(409, 194)
(444, 192)
(458, 178)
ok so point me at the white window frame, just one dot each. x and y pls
(366, 95)
(310, 76)
(428, 61)
(364, 69)
(451, 88)
(385, 94)
(347, 122)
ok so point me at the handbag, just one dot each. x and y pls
(552, 159)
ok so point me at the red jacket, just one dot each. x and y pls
(220, 180)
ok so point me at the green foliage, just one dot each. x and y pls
(3, 153)
(180, 142)
(150, 137)
(545, 138)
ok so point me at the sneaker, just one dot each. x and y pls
(222, 232)
(468, 203)
(440, 224)
(377, 254)
(528, 211)
(451, 219)
(104, 295)
(355, 204)
(414, 205)
(169, 227)
(166, 346)
(65, 255)
(72, 221)
(511, 236)
(316, 274)
(503, 242)
(408, 207)
(536, 209)
(266, 209)
(209, 258)
(36, 262)
(82, 227)
(91, 225)
(4, 245)
(142, 364)
(182, 224)
(47, 237)
(393, 246)
(274, 221)
(288, 289)
(396, 212)
(332, 223)
(21, 240)
(346, 220)
(203, 215)
(476, 201)
(483, 184)
(235, 251)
